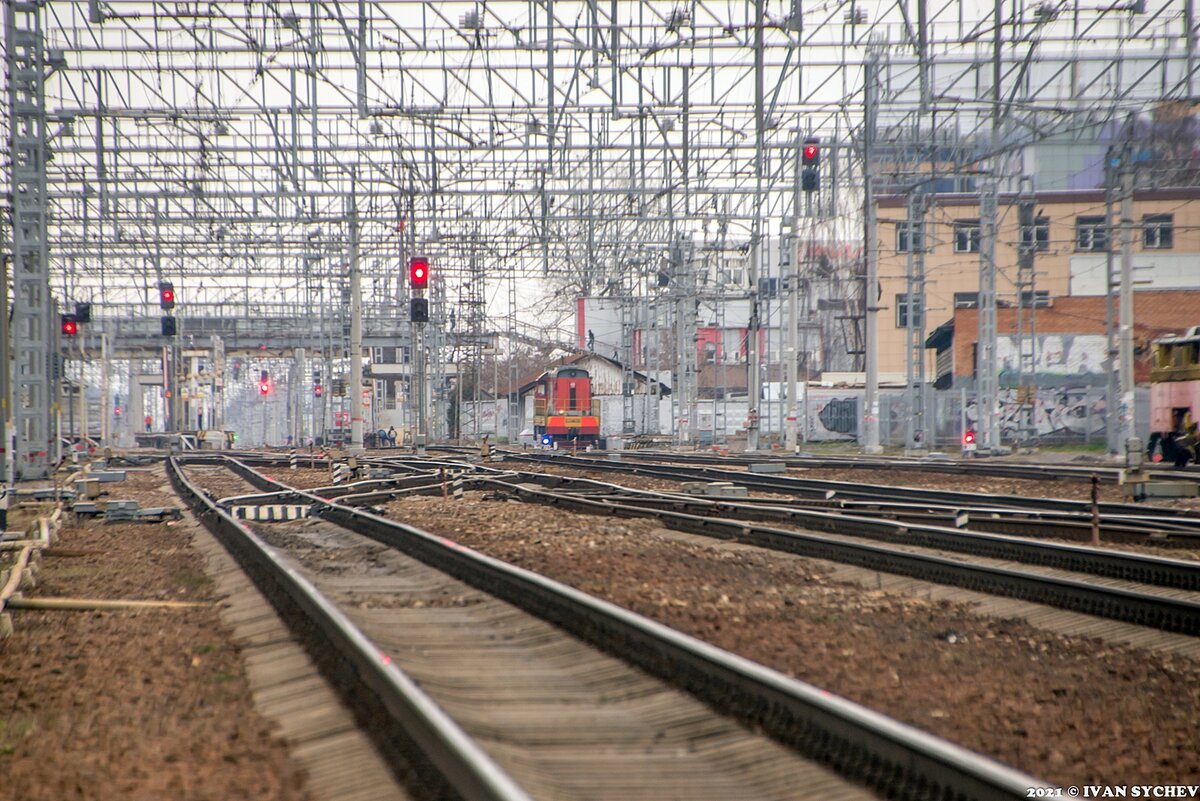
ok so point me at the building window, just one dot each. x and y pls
(1037, 234)
(1039, 298)
(909, 238)
(966, 300)
(1158, 231)
(1091, 233)
(966, 236)
(902, 310)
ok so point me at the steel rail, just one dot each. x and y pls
(455, 761)
(1106, 473)
(805, 487)
(1147, 569)
(1145, 609)
(1140, 528)
(1065, 525)
(892, 757)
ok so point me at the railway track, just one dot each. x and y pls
(983, 467)
(1167, 521)
(1134, 588)
(541, 757)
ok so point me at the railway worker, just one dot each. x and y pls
(1185, 446)
(391, 436)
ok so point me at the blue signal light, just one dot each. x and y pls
(547, 439)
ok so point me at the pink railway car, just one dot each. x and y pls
(1175, 398)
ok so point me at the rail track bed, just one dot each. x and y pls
(1030, 516)
(1015, 691)
(1058, 473)
(1022, 694)
(566, 720)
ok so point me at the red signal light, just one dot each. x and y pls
(166, 295)
(69, 326)
(968, 437)
(317, 390)
(811, 152)
(418, 272)
(264, 387)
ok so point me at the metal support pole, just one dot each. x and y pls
(1111, 423)
(987, 403)
(753, 376)
(914, 301)
(870, 411)
(356, 357)
(6, 427)
(1128, 431)
(34, 393)
(420, 389)
(793, 321)
(298, 383)
(105, 394)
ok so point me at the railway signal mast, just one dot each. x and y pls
(418, 282)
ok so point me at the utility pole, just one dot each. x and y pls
(1026, 312)
(914, 302)
(753, 377)
(6, 428)
(33, 318)
(356, 359)
(792, 243)
(1112, 432)
(870, 411)
(987, 371)
(1128, 430)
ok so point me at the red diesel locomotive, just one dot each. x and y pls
(563, 410)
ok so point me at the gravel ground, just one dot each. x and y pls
(1072, 490)
(1066, 709)
(131, 705)
(301, 477)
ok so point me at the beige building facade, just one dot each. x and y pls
(1071, 256)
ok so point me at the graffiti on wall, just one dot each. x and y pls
(833, 414)
(1057, 355)
(1066, 412)
(1073, 412)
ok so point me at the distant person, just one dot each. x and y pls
(591, 340)
(391, 435)
(149, 423)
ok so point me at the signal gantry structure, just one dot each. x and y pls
(277, 163)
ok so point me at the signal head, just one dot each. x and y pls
(70, 326)
(968, 437)
(166, 294)
(418, 272)
(811, 152)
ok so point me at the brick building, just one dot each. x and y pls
(1070, 338)
(1071, 260)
